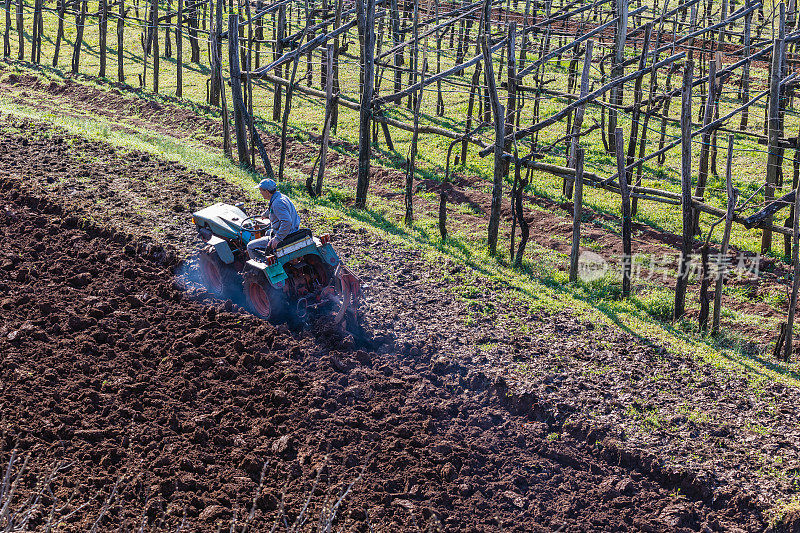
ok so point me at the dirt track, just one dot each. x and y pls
(122, 372)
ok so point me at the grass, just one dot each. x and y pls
(785, 512)
(648, 419)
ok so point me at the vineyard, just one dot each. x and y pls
(576, 224)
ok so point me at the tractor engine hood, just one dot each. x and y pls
(224, 220)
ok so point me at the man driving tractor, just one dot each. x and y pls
(282, 216)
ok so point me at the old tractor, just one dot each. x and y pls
(304, 273)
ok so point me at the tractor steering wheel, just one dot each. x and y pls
(258, 223)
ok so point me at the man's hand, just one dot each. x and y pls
(273, 244)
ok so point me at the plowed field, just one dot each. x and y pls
(163, 406)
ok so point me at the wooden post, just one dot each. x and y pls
(499, 130)
(637, 101)
(787, 354)
(215, 87)
(242, 56)
(513, 199)
(439, 97)
(692, 28)
(39, 32)
(461, 45)
(627, 256)
(179, 51)
(76, 51)
(523, 55)
(721, 40)
(236, 88)
(7, 33)
(705, 146)
(686, 191)
(120, 41)
(412, 161)
(35, 34)
(473, 92)
(260, 32)
(618, 68)
(168, 31)
(226, 126)
(336, 88)
(249, 83)
(572, 74)
(194, 44)
(723, 252)
(579, 114)
(544, 49)
(414, 70)
(155, 50)
(745, 95)
(396, 39)
(59, 32)
(103, 37)
(705, 281)
(147, 38)
(775, 155)
(281, 35)
(787, 240)
(577, 214)
(443, 212)
(310, 56)
(378, 78)
(366, 22)
(777, 352)
(511, 103)
(326, 130)
(523, 45)
(21, 30)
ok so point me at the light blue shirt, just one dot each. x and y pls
(282, 216)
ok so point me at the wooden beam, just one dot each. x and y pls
(686, 190)
(236, 91)
(366, 23)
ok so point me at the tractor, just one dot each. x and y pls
(304, 272)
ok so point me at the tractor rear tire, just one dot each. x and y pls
(263, 300)
(220, 279)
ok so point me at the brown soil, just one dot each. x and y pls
(106, 364)
(121, 372)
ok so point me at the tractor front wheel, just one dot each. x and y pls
(262, 299)
(219, 279)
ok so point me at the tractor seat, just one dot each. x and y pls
(295, 236)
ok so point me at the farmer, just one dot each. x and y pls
(282, 216)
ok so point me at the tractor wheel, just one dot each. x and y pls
(219, 279)
(262, 299)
